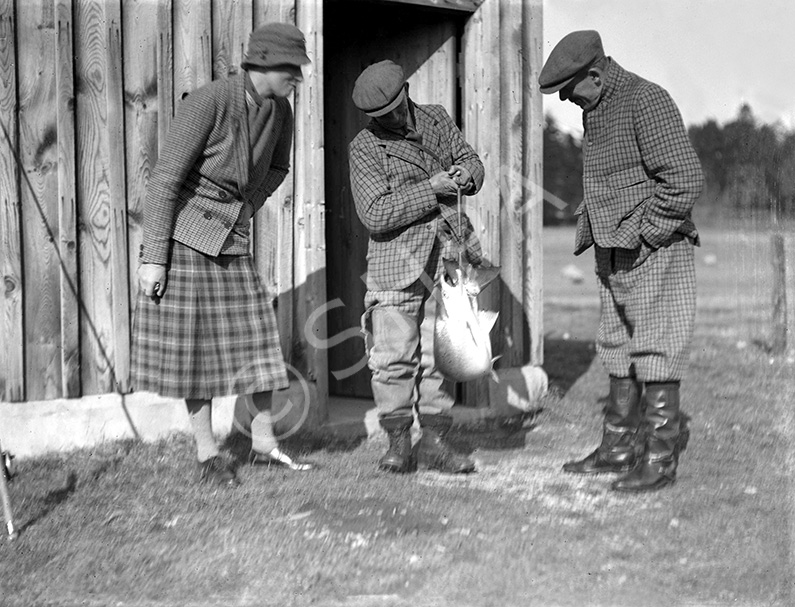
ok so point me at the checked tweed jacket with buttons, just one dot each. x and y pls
(204, 172)
(394, 200)
(641, 174)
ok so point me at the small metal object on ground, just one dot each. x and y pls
(5, 473)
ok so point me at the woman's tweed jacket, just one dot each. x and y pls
(395, 202)
(641, 175)
(203, 175)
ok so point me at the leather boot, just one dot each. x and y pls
(398, 456)
(432, 450)
(621, 444)
(657, 468)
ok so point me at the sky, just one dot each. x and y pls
(710, 55)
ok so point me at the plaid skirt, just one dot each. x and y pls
(213, 333)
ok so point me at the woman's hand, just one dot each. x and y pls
(152, 279)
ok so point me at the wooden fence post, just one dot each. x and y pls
(783, 256)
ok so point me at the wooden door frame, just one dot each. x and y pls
(467, 6)
(514, 154)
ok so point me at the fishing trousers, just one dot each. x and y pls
(648, 311)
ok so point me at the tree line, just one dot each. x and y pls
(749, 169)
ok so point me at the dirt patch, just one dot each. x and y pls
(359, 521)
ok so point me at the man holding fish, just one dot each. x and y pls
(641, 178)
(406, 169)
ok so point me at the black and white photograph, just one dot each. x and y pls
(397, 303)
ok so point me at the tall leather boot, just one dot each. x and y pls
(398, 456)
(434, 453)
(621, 444)
(657, 468)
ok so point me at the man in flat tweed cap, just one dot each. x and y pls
(204, 325)
(406, 166)
(641, 178)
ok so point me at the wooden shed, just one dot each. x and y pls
(87, 91)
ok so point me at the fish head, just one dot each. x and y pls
(474, 278)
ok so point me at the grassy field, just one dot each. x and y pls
(126, 524)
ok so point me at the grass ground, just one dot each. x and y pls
(125, 524)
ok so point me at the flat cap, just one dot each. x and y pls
(574, 53)
(276, 44)
(379, 88)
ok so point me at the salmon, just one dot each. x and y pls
(462, 346)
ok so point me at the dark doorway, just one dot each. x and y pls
(357, 33)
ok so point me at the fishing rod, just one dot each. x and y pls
(461, 244)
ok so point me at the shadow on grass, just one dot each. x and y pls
(566, 360)
(238, 444)
(52, 500)
(684, 432)
(499, 434)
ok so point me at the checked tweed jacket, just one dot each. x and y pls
(394, 200)
(204, 172)
(641, 174)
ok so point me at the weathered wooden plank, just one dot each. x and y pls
(38, 145)
(513, 324)
(468, 6)
(232, 23)
(70, 310)
(12, 337)
(267, 11)
(481, 97)
(310, 254)
(120, 276)
(274, 224)
(434, 79)
(533, 175)
(273, 230)
(472, 83)
(141, 39)
(481, 105)
(192, 46)
(96, 185)
(165, 70)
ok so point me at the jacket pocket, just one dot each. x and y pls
(627, 178)
(629, 190)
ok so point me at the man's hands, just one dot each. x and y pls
(461, 176)
(448, 182)
(442, 183)
(152, 279)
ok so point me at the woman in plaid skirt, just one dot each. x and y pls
(204, 326)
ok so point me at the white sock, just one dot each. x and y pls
(200, 412)
(263, 439)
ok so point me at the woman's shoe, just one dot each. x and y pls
(216, 471)
(276, 457)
